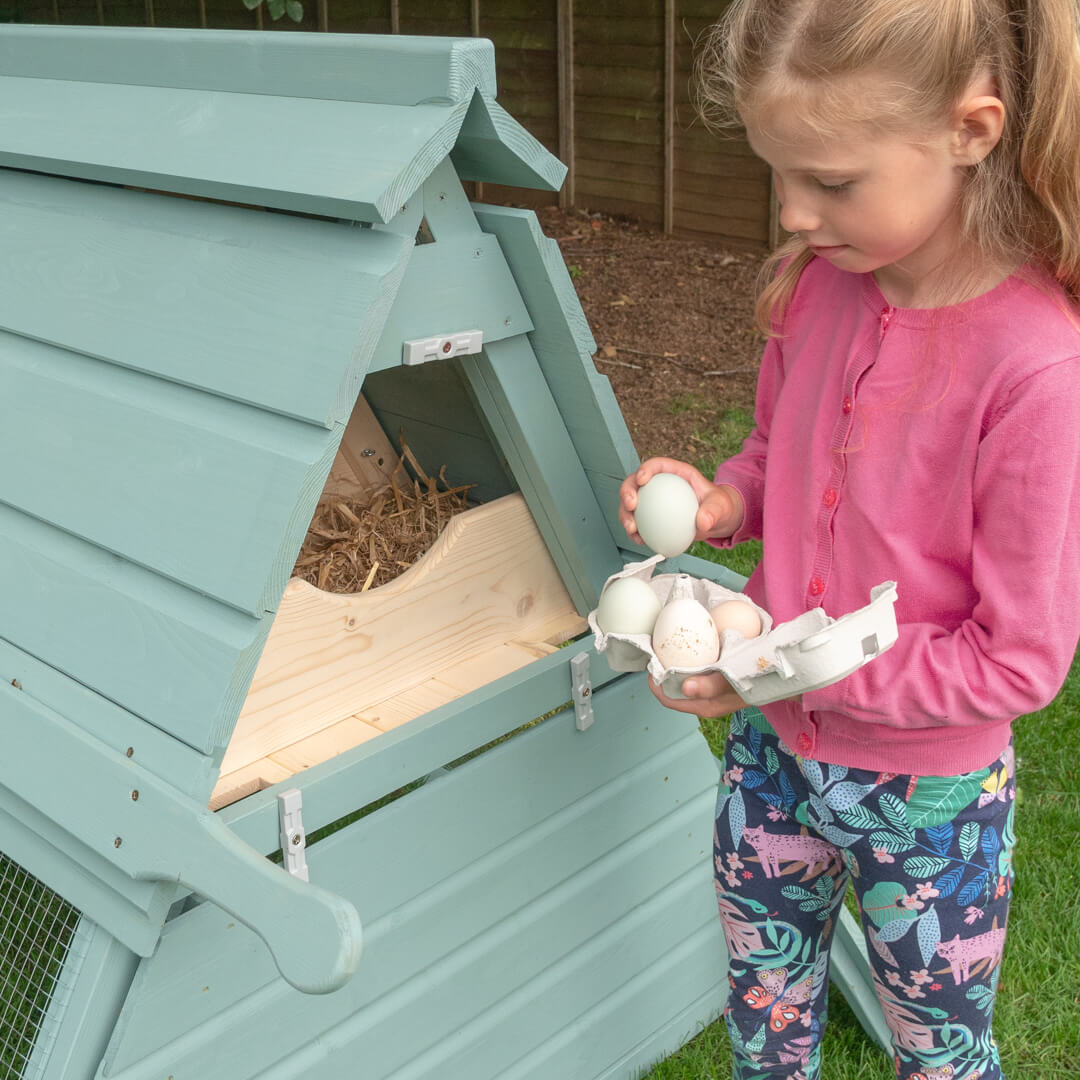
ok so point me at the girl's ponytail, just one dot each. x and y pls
(1048, 93)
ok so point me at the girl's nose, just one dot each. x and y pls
(796, 215)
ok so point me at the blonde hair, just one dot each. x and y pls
(1021, 204)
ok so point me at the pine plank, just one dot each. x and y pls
(331, 656)
(366, 459)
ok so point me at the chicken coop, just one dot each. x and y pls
(251, 827)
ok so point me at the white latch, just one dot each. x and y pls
(293, 840)
(424, 350)
(581, 688)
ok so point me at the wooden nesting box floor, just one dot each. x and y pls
(339, 669)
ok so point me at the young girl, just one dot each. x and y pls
(917, 420)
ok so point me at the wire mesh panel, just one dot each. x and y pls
(36, 930)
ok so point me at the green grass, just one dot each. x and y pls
(1037, 1018)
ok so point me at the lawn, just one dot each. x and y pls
(1037, 1018)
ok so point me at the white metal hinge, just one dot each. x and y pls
(424, 350)
(582, 690)
(293, 838)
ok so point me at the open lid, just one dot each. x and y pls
(175, 374)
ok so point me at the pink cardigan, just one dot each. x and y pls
(938, 448)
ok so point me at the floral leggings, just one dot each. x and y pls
(930, 861)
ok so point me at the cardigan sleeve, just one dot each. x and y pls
(746, 470)
(1011, 655)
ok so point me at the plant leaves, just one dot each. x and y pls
(948, 883)
(924, 867)
(772, 760)
(812, 771)
(939, 798)
(969, 839)
(973, 890)
(895, 811)
(787, 791)
(940, 836)
(891, 842)
(861, 817)
(929, 934)
(295, 10)
(895, 929)
(844, 795)
(736, 809)
(838, 836)
(753, 778)
(881, 903)
(742, 754)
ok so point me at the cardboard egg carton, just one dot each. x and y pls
(784, 660)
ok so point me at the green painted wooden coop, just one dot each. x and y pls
(181, 380)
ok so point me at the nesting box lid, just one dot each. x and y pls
(175, 374)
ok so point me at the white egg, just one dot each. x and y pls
(627, 606)
(737, 615)
(666, 513)
(685, 635)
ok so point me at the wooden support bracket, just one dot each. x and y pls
(153, 832)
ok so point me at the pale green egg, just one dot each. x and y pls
(666, 514)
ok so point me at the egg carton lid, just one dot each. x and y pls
(787, 659)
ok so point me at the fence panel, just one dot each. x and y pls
(628, 127)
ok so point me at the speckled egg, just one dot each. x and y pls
(685, 635)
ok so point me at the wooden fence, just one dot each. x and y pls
(604, 84)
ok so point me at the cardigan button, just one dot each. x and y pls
(803, 743)
(847, 405)
(829, 498)
(817, 586)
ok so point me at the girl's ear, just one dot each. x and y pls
(980, 119)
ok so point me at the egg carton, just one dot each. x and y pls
(806, 653)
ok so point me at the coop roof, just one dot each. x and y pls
(175, 373)
(341, 125)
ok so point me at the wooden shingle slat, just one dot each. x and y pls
(198, 489)
(354, 67)
(278, 311)
(340, 159)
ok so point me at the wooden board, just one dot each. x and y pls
(338, 669)
(365, 459)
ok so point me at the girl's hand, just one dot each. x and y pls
(706, 695)
(720, 507)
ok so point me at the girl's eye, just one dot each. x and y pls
(834, 189)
